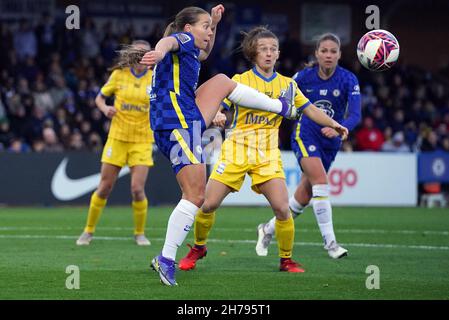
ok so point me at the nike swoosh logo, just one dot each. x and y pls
(66, 189)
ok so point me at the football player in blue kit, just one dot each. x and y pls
(180, 113)
(336, 91)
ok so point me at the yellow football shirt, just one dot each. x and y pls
(256, 129)
(131, 92)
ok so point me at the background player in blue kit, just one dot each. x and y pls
(336, 91)
(180, 113)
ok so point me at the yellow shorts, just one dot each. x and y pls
(232, 173)
(121, 153)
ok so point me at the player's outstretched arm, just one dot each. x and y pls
(216, 14)
(164, 46)
(318, 116)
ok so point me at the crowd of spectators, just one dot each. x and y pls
(405, 109)
(50, 76)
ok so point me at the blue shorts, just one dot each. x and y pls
(181, 146)
(309, 144)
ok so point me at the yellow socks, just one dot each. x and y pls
(97, 204)
(285, 235)
(140, 210)
(95, 209)
(202, 226)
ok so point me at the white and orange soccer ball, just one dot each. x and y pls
(378, 50)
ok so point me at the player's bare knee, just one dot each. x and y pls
(222, 77)
(282, 212)
(209, 207)
(137, 193)
(104, 189)
(225, 81)
(195, 198)
(198, 200)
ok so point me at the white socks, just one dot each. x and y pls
(295, 207)
(179, 224)
(251, 98)
(269, 226)
(323, 212)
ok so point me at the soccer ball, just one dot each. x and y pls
(378, 50)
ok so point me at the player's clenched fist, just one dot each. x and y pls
(329, 132)
(219, 120)
(216, 13)
(151, 58)
(342, 131)
(109, 111)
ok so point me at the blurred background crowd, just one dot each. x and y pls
(50, 76)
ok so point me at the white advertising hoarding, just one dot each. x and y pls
(356, 179)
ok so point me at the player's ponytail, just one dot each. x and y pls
(189, 15)
(170, 29)
(130, 55)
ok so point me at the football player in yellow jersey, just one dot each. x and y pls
(252, 148)
(130, 140)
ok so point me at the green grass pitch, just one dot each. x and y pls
(410, 246)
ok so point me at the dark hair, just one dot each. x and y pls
(187, 15)
(324, 37)
(249, 43)
(327, 36)
(129, 55)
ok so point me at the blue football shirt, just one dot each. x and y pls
(175, 78)
(338, 97)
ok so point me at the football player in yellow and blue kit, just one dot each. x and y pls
(129, 142)
(336, 91)
(252, 148)
(180, 113)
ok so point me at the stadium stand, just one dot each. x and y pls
(50, 77)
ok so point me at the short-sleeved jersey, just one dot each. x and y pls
(333, 96)
(175, 79)
(131, 92)
(263, 125)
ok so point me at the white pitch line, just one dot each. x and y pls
(299, 229)
(364, 245)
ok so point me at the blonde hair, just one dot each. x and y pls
(130, 55)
